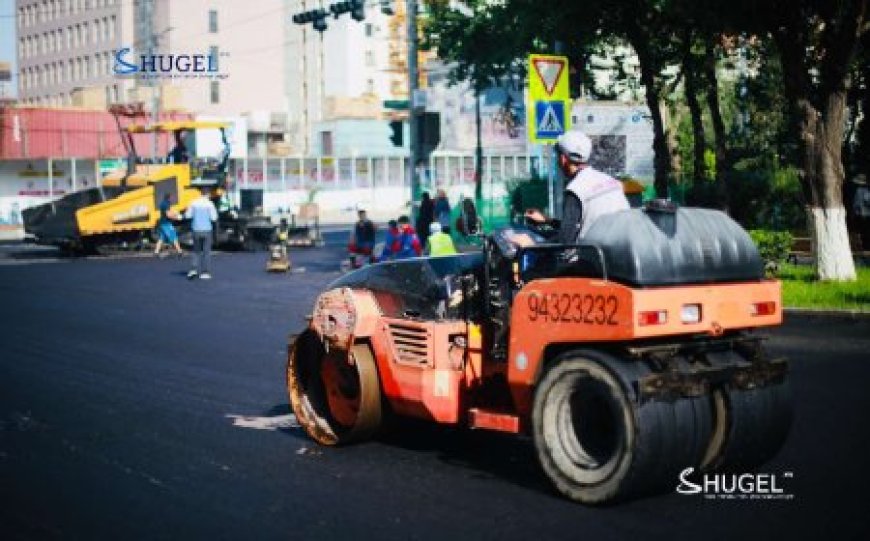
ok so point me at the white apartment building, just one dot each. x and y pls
(362, 62)
(283, 77)
(64, 45)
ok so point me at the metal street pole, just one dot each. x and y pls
(152, 50)
(413, 84)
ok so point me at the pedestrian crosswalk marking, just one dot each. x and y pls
(550, 122)
(549, 119)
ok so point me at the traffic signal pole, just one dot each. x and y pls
(413, 117)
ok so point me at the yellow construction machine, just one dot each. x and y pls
(124, 208)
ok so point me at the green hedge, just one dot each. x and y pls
(774, 247)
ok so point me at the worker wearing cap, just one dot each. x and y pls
(439, 243)
(589, 193)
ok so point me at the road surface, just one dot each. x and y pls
(137, 405)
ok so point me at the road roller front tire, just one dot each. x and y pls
(335, 395)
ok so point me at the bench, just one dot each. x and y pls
(803, 247)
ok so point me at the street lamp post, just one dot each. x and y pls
(413, 119)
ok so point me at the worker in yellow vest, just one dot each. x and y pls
(439, 243)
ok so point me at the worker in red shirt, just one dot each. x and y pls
(403, 245)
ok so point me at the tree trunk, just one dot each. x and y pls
(820, 145)
(820, 124)
(723, 164)
(698, 139)
(648, 73)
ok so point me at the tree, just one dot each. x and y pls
(482, 47)
(690, 72)
(818, 41)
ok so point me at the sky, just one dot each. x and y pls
(7, 41)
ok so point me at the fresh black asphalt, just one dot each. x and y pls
(120, 382)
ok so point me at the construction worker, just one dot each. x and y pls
(165, 230)
(202, 215)
(589, 193)
(409, 243)
(439, 243)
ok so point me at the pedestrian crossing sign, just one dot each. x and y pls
(549, 106)
(549, 119)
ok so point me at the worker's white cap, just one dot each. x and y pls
(434, 227)
(575, 145)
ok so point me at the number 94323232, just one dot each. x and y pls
(577, 308)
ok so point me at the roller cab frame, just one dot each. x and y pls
(620, 386)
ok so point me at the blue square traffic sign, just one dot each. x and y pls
(549, 119)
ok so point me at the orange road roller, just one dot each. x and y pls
(625, 359)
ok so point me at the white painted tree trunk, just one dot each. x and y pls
(830, 240)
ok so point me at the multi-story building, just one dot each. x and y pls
(293, 84)
(68, 45)
(343, 73)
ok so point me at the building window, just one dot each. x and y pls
(370, 30)
(326, 143)
(112, 27)
(370, 86)
(212, 21)
(215, 92)
(213, 53)
(370, 58)
(87, 68)
(106, 32)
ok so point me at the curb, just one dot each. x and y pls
(827, 313)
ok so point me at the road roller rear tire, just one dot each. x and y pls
(755, 424)
(597, 443)
(335, 395)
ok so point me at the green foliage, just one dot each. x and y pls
(774, 247)
(481, 49)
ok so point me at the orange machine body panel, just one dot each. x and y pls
(422, 364)
(577, 310)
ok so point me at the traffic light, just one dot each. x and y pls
(320, 21)
(428, 132)
(358, 13)
(315, 16)
(356, 8)
(397, 127)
